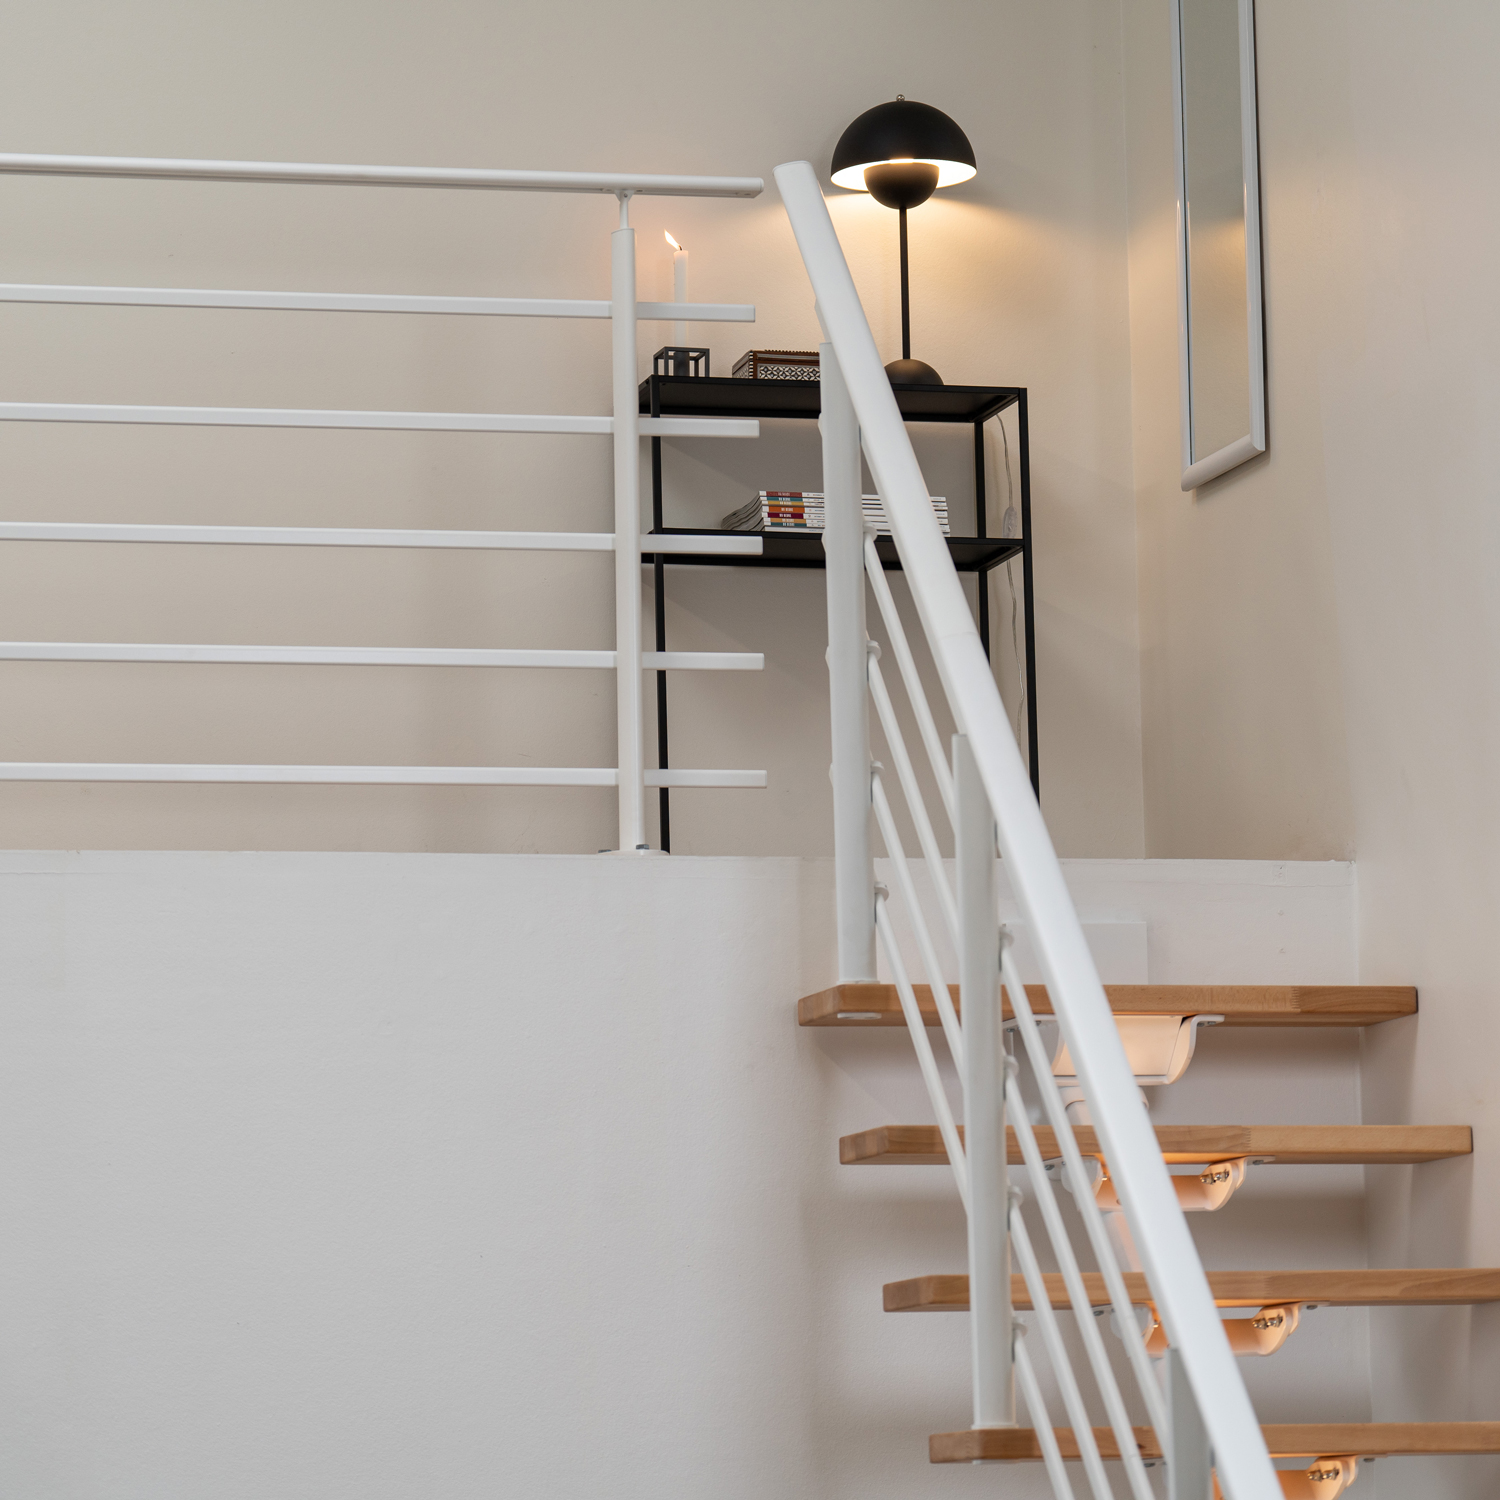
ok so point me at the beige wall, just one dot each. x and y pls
(1321, 638)
(1243, 718)
(1017, 279)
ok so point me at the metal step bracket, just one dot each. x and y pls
(1263, 1334)
(1324, 1479)
(1159, 1048)
(1210, 1189)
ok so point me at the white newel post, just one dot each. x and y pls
(984, 1095)
(628, 679)
(848, 676)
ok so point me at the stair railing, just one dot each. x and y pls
(1204, 1417)
(624, 425)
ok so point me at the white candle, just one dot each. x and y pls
(679, 288)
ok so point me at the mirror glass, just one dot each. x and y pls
(1218, 312)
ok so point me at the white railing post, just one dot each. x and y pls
(984, 1096)
(630, 754)
(1189, 1460)
(848, 674)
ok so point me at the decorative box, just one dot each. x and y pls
(777, 364)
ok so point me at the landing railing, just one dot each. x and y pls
(1203, 1418)
(624, 425)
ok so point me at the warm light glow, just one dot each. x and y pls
(673, 243)
(949, 173)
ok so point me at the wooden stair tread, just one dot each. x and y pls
(1284, 1439)
(1420, 1287)
(1239, 1004)
(922, 1145)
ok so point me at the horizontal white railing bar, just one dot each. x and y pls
(669, 778)
(383, 421)
(714, 427)
(695, 312)
(339, 536)
(495, 307)
(374, 656)
(648, 183)
(605, 776)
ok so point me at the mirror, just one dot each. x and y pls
(1220, 328)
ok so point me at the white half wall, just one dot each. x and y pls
(395, 1175)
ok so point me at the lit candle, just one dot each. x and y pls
(679, 288)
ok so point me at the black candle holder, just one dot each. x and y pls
(689, 363)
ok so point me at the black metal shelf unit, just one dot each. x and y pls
(705, 396)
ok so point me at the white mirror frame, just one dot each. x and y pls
(1196, 471)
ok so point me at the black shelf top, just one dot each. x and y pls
(791, 549)
(719, 396)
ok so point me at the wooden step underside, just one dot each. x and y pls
(1249, 1289)
(1284, 1439)
(922, 1145)
(1239, 1004)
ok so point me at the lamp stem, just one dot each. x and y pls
(905, 296)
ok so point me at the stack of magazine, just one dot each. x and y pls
(802, 510)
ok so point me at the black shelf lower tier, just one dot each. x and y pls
(784, 549)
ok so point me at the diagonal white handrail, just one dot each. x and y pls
(1170, 1259)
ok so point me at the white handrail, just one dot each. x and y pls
(649, 184)
(1170, 1260)
(370, 302)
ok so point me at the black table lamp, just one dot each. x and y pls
(901, 153)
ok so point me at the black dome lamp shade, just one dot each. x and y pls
(901, 153)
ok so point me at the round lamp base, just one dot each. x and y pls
(912, 372)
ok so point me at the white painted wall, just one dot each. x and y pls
(1320, 650)
(394, 1175)
(1017, 278)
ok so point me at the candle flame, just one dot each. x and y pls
(673, 243)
